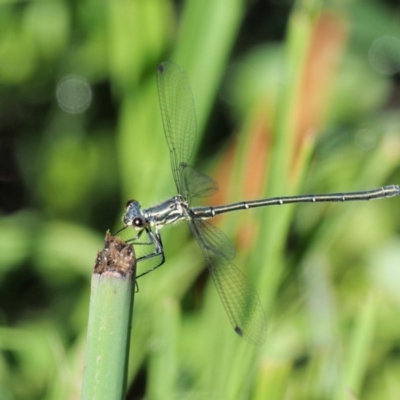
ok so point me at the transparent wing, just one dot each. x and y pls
(178, 116)
(197, 184)
(238, 295)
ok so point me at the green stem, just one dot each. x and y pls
(109, 326)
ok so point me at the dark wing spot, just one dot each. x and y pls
(238, 330)
(161, 68)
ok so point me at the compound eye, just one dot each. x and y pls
(129, 203)
(138, 223)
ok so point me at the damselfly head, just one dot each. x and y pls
(133, 215)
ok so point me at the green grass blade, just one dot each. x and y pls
(109, 322)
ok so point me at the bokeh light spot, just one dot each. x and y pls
(384, 55)
(73, 94)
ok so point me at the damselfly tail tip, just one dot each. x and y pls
(394, 190)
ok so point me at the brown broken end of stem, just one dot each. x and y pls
(117, 256)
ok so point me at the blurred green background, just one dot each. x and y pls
(291, 97)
